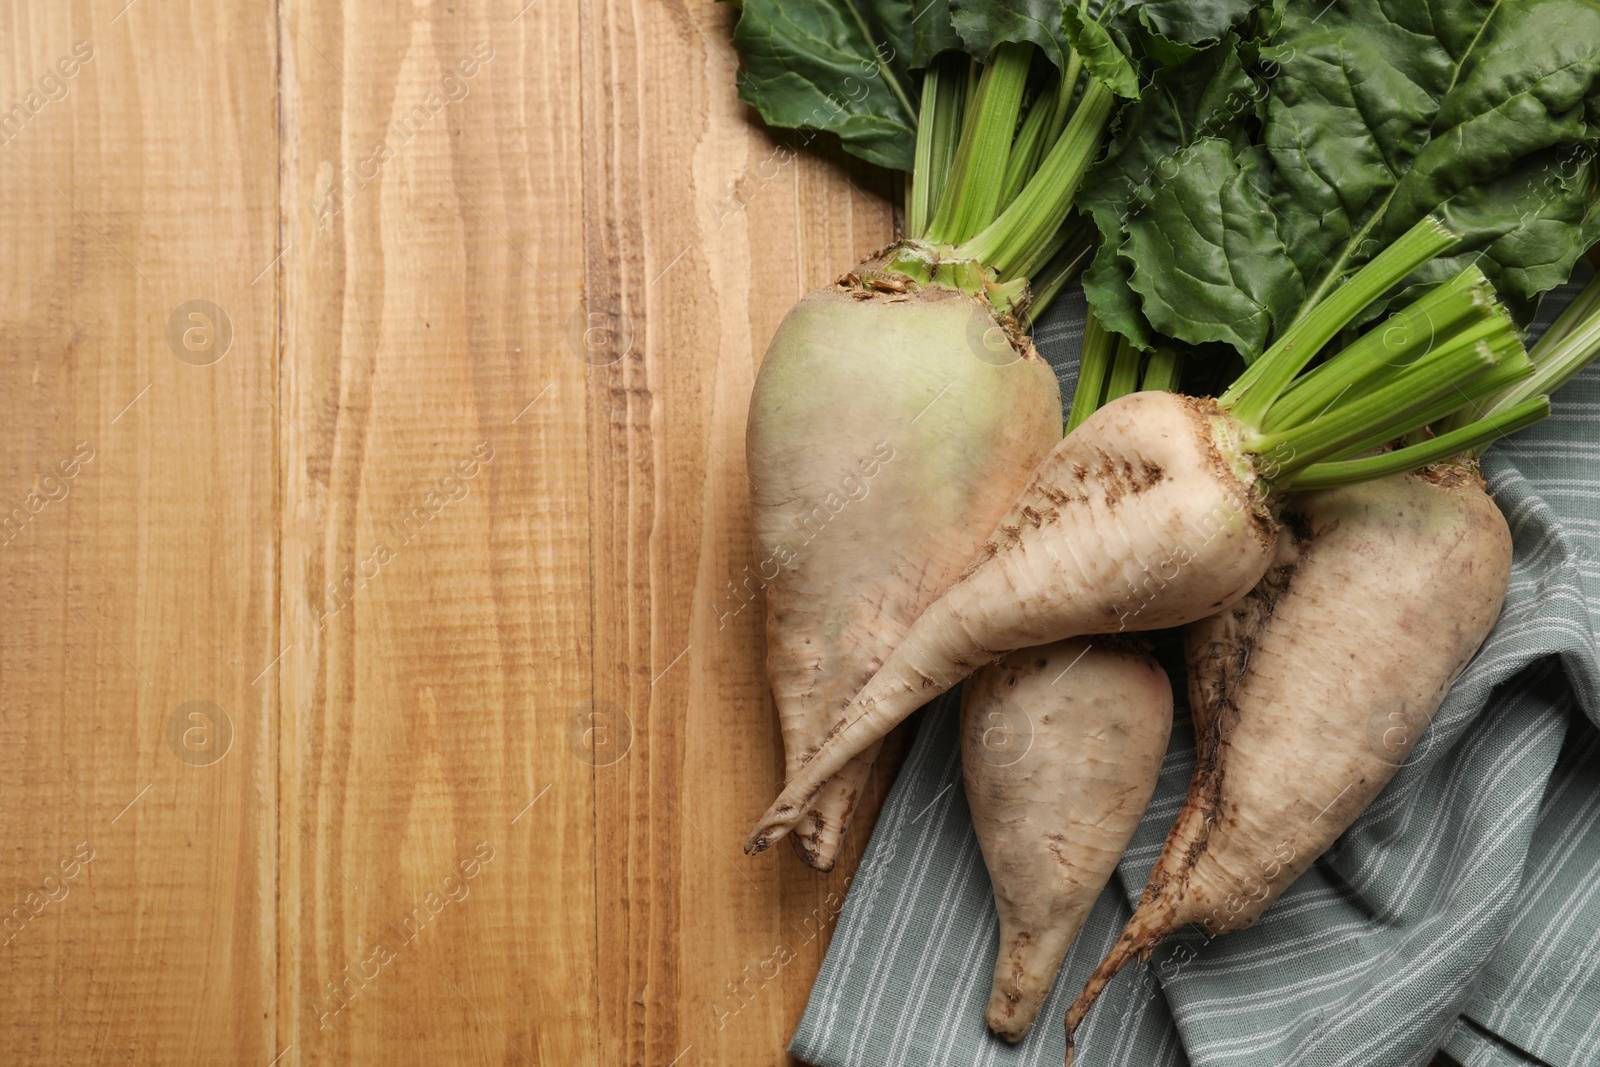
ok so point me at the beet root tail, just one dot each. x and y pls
(1148, 927)
(818, 837)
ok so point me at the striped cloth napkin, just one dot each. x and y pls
(1460, 913)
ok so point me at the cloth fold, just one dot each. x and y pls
(1460, 913)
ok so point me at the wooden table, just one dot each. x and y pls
(374, 377)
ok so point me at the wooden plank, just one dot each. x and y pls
(701, 230)
(138, 569)
(522, 731)
(430, 695)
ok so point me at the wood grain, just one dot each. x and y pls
(442, 539)
(550, 267)
(139, 566)
(432, 915)
(689, 206)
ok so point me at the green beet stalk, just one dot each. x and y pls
(1093, 363)
(1391, 411)
(971, 197)
(1065, 88)
(1507, 397)
(1466, 395)
(1124, 378)
(1259, 387)
(1402, 338)
(1163, 371)
(1076, 246)
(938, 133)
(994, 177)
(1472, 438)
(1029, 146)
(1570, 344)
(1013, 243)
(1292, 419)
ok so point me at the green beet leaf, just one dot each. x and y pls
(1100, 53)
(1379, 113)
(1208, 259)
(1445, 101)
(845, 67)
(1193, 23)
(983, 24)
(1212, 95)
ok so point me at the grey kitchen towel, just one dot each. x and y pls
(1461, 912)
